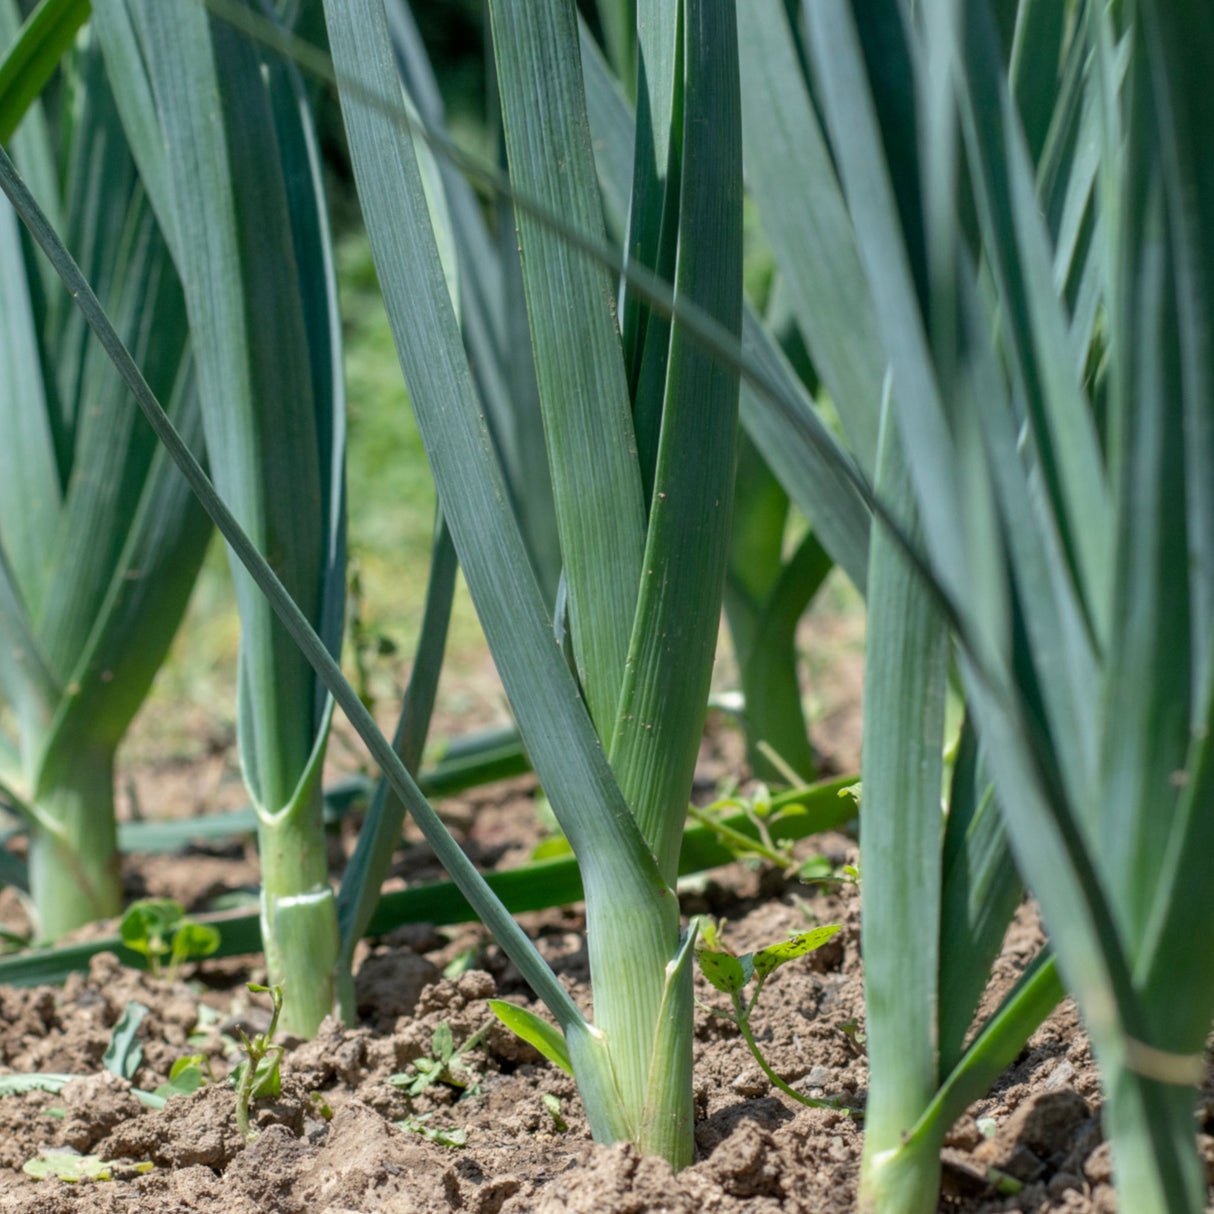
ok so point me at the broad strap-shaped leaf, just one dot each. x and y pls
(1148, 690)
(1034, 68)
(270, 388)
(618, 19)
(892, 258)
(805, 455)
(1169, 373)
(559, 735)
(618, 868)
(551, 716)
(660, 717)
(31, 487)
(112, 448)
(667, 1130)
(493, 318)
(812, 465)
(613, 129)
(995, 1047)
(1171, 972)
(473, 885)
(791, 174)
(764, 599)
(653, 214)
(117, 25)
(579, 365)
(1035, 328)
(126, 538)
(655, 156)
(26, 682)
(1062, 868)
(1179, 45)
(145, 598)
(980, 889)
(901, 830)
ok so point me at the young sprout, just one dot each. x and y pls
(258, 1075)
(159, 928)
(446, 1065)
(761, 809)
(730, 973)
(552, 1103)
(444, 1138)
(188, 1074)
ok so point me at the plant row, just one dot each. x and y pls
(980, 381)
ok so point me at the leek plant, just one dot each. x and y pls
(765, 597)
(1031, 212)
(962, 887)
(642, 526)
(1017, 348)
(642, 653)
(223, 136)
(787, 456)
(100, 539)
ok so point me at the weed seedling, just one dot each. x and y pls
(158, 928)
(187, 1076)
(462, 962)
(553, 1105)
(445, 1066)
(730, 973)
(444, 1138)
(258, 1074)
(758, 808)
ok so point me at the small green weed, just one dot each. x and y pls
(730, 973)
(158, 928)
(445, 1066)
(258, 1075)
(444, 1138)
(553, 1105)
(124, 1055)
(188, 1074)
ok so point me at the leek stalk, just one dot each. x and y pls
(99, 539)
(224, 140)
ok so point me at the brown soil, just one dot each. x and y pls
(756, 1149)
(335, 1141)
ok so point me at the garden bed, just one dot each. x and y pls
(527, 1146)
